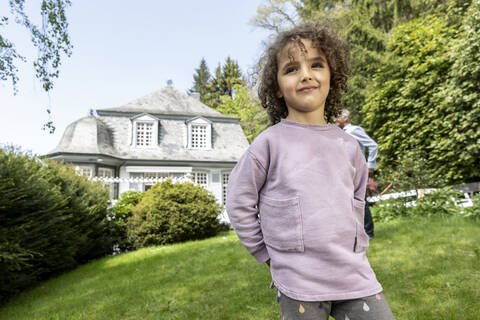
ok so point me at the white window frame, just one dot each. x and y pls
(105, 172)
(82, 170)
(200, 178)
(224, 185)
(148, 120)
(203, 123)
(198, 136)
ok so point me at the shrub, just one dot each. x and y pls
(473, 212)
(441, 202)
(387, 210)
(119, 215)
(51, 220)
(173, 212)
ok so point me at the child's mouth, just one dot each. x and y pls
(307, 89)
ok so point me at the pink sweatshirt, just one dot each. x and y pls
(296, 197)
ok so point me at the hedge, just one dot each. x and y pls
(51, 220)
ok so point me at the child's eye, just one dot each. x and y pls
(317, 65)
(290, 70)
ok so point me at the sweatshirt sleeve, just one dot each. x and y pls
(361, 175)
(244, 184)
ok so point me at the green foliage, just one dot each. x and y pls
(51, 220)
(409, 173)
(231, 76)
(389, 209)
(212, 88)
(119, 215)
(51, 39)
(427, 103)
(367, 45)
(456, 147)
(201, 79)
(173, 212)
(441, 202)
(473, 212)
(244, 105)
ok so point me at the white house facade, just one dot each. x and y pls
(164, 134)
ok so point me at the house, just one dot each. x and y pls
(164, 134)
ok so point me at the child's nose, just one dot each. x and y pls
(306, 73)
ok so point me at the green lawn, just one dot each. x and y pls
(429, 268)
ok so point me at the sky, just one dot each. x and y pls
(122, 50)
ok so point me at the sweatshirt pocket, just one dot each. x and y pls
(361, 237)
(281, 222)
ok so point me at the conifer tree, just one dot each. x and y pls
(230, 76)
(212, 88)
(214, 91)
(201, 79)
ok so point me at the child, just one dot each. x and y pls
(296, 197)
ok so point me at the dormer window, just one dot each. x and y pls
(144, 134)
(145, 131)
(199, 137)
(199, 133)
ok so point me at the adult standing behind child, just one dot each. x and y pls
(296, 197)
(364, 140)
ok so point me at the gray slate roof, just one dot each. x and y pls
(167, 101)
(87, 135)
(112, 133)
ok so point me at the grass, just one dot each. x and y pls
(429, 268)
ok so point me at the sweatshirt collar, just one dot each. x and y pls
(327, 126)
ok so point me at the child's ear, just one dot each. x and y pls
(279, 94)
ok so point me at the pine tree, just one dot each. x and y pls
(222, 83)
(201, 79)
(230, 76)
(214, 91)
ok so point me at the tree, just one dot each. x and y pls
(222, 82)
(214, 91)
(276, 15)
(231, 76)
(51, 39)
(426, 105)
(201, 79)
(244, 105)
(460, 101)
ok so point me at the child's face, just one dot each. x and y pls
(303, 79)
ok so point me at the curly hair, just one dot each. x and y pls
(324, 39)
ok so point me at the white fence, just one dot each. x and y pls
(466, 201)
(186, 178)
